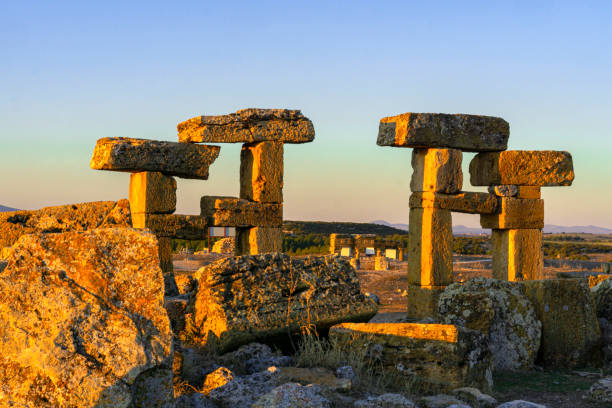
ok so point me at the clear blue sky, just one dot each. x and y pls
(73, 72)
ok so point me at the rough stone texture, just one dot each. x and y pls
(500, 309)
(430, 247)
(515, 191)
(436, 170)
(423, 300)
(236, 212)
(346, 372)
(293, 395)
(195, 400)
(253, 358)
(522, 168)
(381, 263)
(385, 401)
(224, 246)
(520, 404)
(439, 401)
(152, 192)
(601, 391)
(248, 126)
(83, 321)
(470, 133)
(261, 172)
(443, 356)
(243, 391)
(515, 213)
(464, 202)
(602, 295)
(475, 398)
(594, 280)
(243, 299)
(570, 331)
(173, 225)
(315, 375)
(164, 246)
(258, 240)
(136, 155)
(216, 379)
(72, 217)
(517, 254)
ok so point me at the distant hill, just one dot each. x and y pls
(320, 227)
(5, 209)
(457, 229)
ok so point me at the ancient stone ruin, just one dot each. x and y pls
(513, 208)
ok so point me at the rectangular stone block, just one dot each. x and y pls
(258, 240)
(437, 170)
(152, 192)
(248, 126)
(423, 301)
(515, 213)
(517, 254)
(236, 212)
(515, 191)
(136, 155)
(430, 247)
(165, 254)
(470, 133)
(464, 202)
(191, 227)
(522, 168)
(338, 241)
(443, 356)
(261, 172)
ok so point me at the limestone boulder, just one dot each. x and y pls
(253, 358)
(601, 391)
(72, 217)
(602, 294)
(83, 322)
(244, 299)
(293, 395)
(224, 246)
(243, 391)
(499, 309)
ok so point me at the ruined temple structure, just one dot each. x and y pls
(257, 214)
(354, 246)
(512, 208)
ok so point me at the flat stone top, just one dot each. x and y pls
(443, 332)
(472, 133)
(247, 126)
(522, 168)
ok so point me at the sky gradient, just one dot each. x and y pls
(73, 72)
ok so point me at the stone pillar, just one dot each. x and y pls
(332, 243)
(261, 180)
(517, 254)
(400, 254)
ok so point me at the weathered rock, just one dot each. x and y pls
(463, 202)
(243, 299)
(475, 398)
(346, 372)
(602, 295)
(520, 404)
(244, 391)
(224, 246)
(248, 126)
(506, 190)
(601, 391)
(595, 280)
(83, 321)
(236, 212)
(423, 301)
(436, 170)
(517, 254)
(216, 379)
(72, 217)
(253, 358)
(261, 172)
(513, 327)
(570, 331)
(173, 225)
(470, 133)
(443, 356)
(195, 400)
(258, 240)
(320, 376)
(439, 401)
(522, 168)
(515, 213)
(293, 395)
(137, 155)
(385, 401)
(152, 192)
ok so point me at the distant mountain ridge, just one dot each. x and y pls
(6, 209)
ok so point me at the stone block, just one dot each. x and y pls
(509, 190)
(248, 126)
(152, 192)
(423, 301)
(261, 172)
(570, 331)
(191, 227)
(339, 241)
(515, 213)
(430, 247)
(381, 263)
(136, 155)
(236, 212)
(517, 254)
(165, 254)
(443, 356)
(522, 168)
(437, 170)
(470, 133)
(258, 240)
(464, 202)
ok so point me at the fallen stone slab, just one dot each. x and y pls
(171, 158)
(436, 170)
(570, 331)
(442, 356)
(71, 217)
(251, 298)
(472, 133)
(83, 322)
(515, 213)
(178, 226)
(463, 202)
(248, 126)
(236, 212)
(522, 168)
